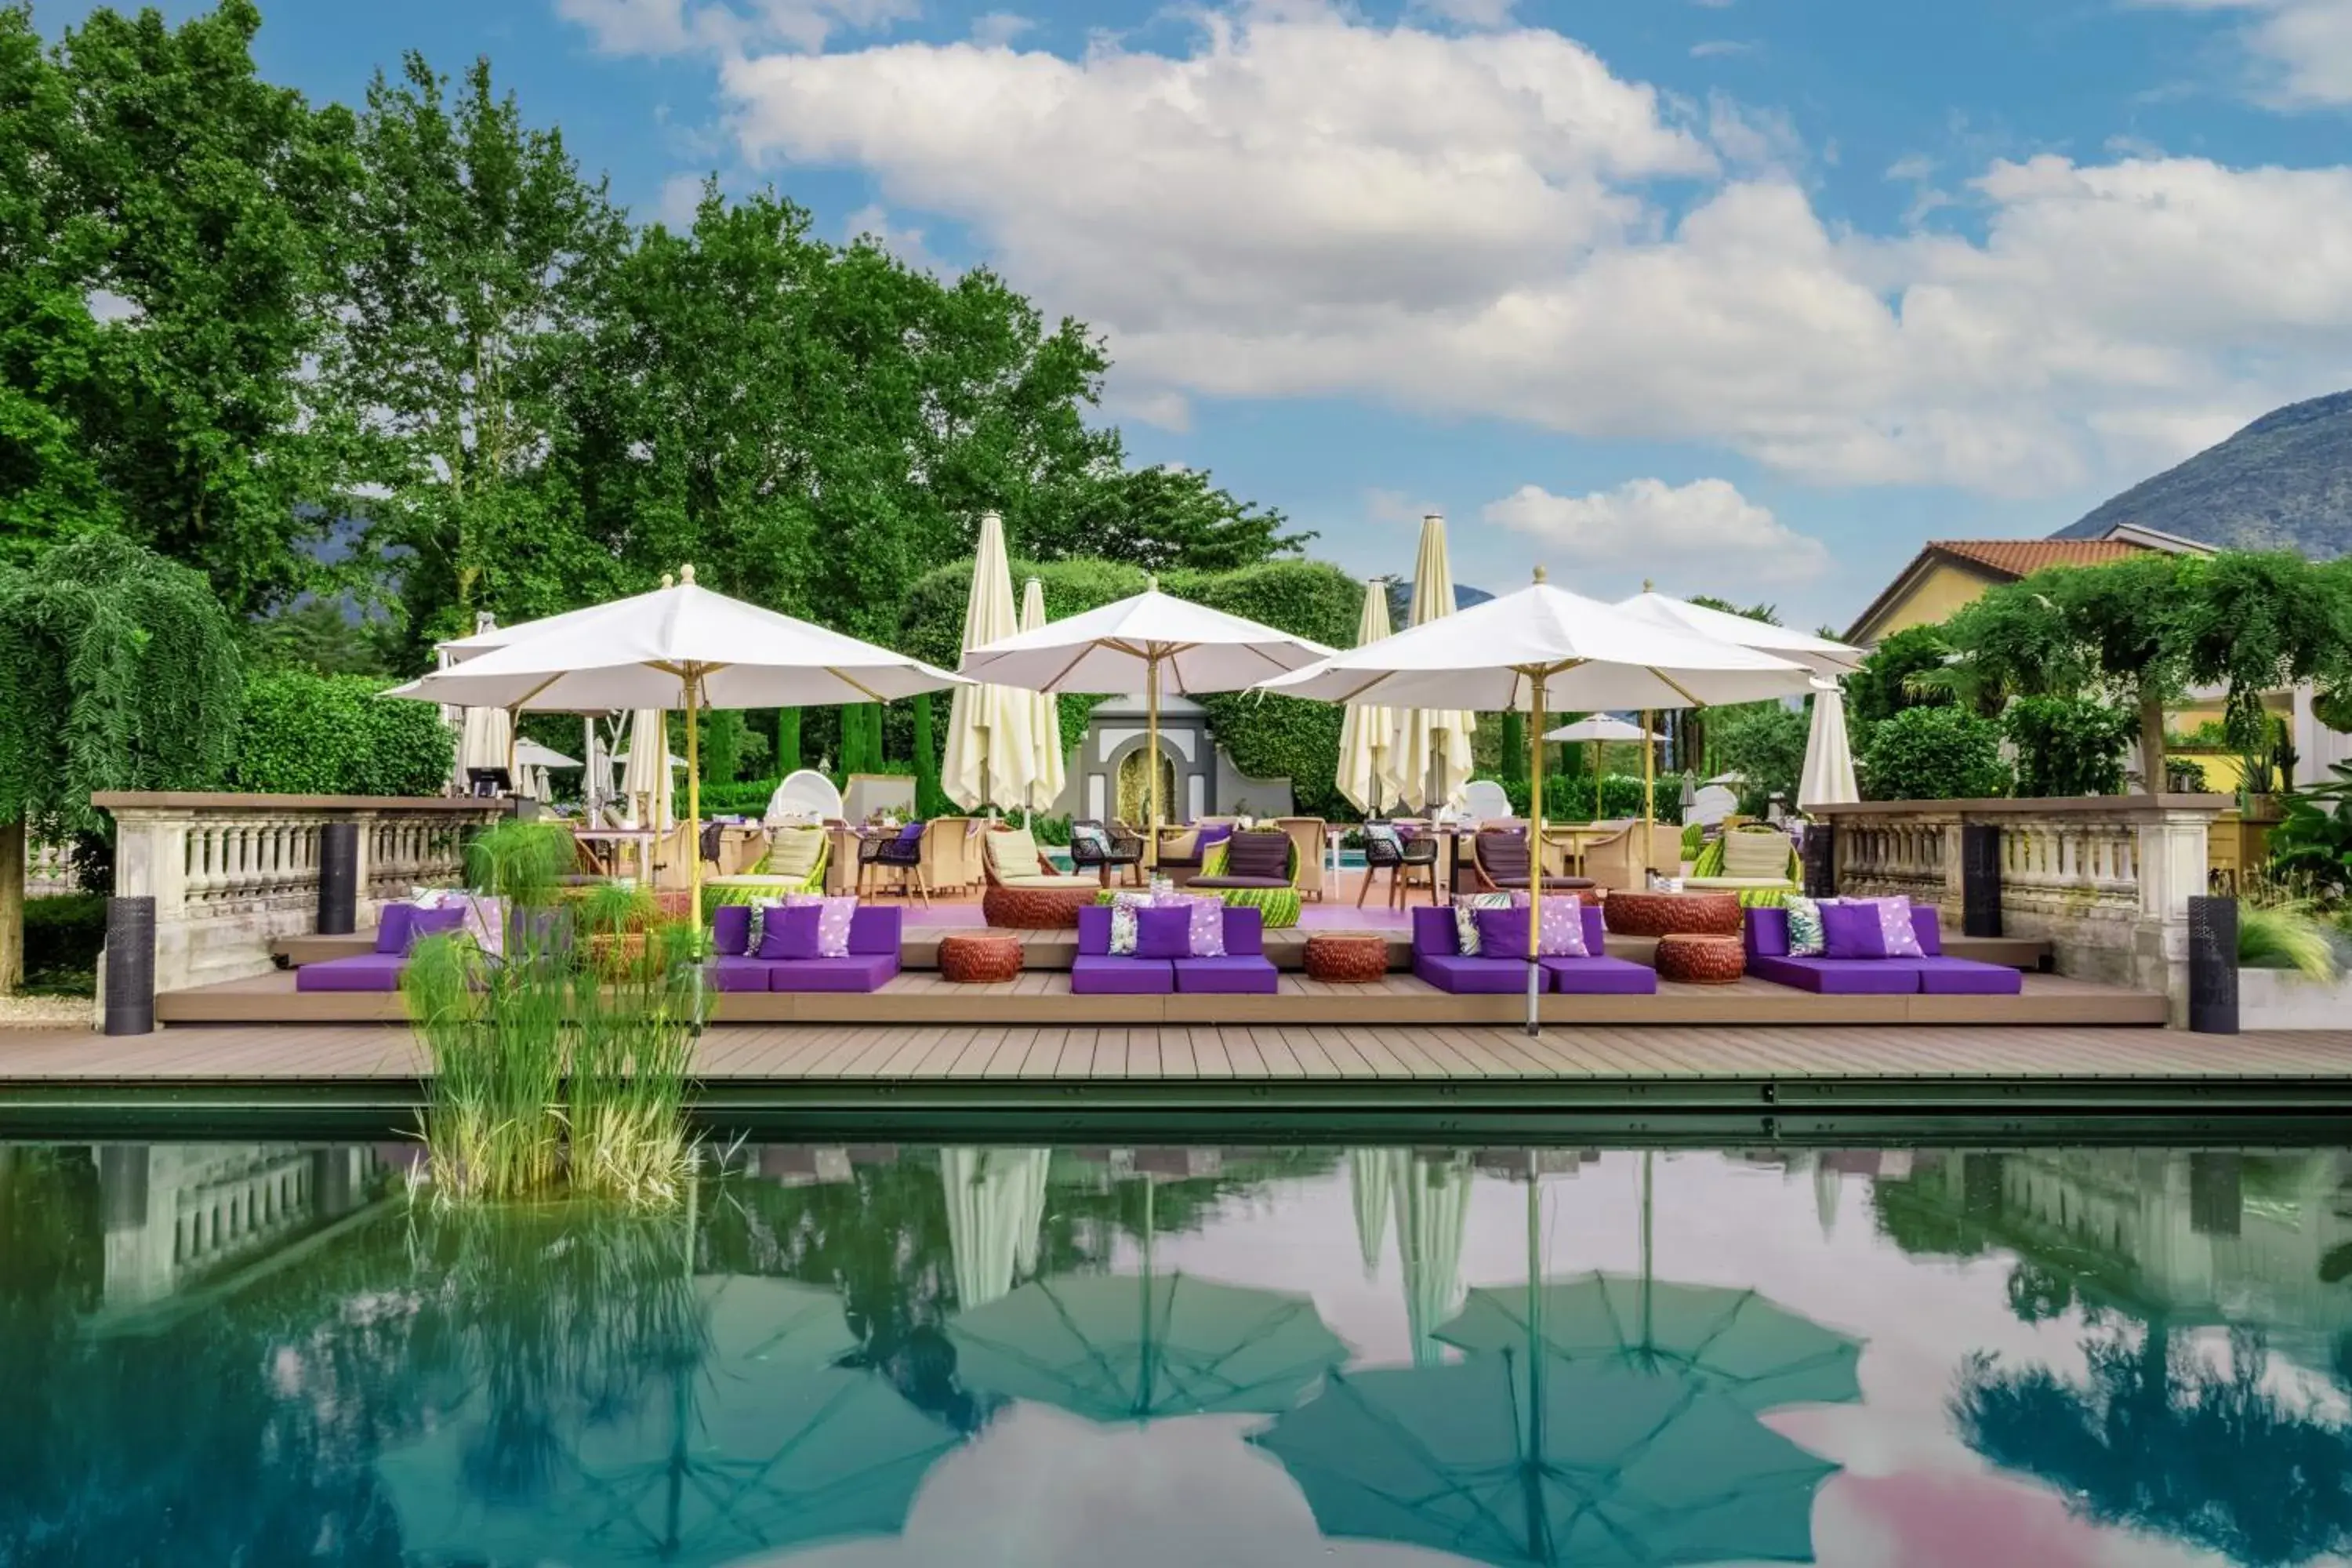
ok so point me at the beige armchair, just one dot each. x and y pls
(1307, 835)
(952, 853)
(1616, 862)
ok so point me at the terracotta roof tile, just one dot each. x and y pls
(2024, 557)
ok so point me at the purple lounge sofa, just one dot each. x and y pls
(1437, 958)
(397, 931)
(1765, 931)
(873, 936)
(1244, 971)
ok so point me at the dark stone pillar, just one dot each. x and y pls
(1979, 879)
(130, 966)
(1821, 861)
(123, 1185)
(2213, 965)
(339, 879)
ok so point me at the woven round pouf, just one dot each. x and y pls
(1036, 909)
(1701, 960)
(1672, 914)
(979, 958)
(1347, 957)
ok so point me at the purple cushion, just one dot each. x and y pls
(1765, 931)
(792, 933)
(733, 971)
(448, 918)
(361, 971)
(1841, 976)
(1094, 930)
(1600, 976)
(1256, 854)
(731, 930)
(874, 929)
(1925, 926)
(1245, 932)
(1163, 931)
(1216, 833)
(858, 972)
(1596, 930)
(1478, 976)
(911, 832)
(835, 915)
(1095, 974)
(1231, 976)
(1942, 976)
(1503, 933)
(1205, 937)
(1434, 934)
(391, 928)
(1851, 931)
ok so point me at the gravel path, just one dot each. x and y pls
(42, 1012)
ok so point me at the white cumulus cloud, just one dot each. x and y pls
(2300, 50)
(1648, 520)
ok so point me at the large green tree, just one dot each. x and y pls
(1169, 519)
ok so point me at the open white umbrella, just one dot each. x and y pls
(1540, 648)
(1819, 655)
(1432, 737)
(1368, 732)
(1150, 641)
(989, 750)
(1050, 772)
(680, 647)
(531, 754)
(1593, 731)
(1829, 758)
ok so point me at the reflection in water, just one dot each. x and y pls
(263, 1353)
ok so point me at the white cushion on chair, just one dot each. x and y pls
(1756, 854)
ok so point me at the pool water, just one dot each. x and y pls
(886, 1355)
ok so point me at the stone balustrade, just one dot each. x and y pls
(231, 873)
(2104, 879)
(49, 869)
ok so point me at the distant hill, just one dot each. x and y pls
(1400, 601)
(2283, 482)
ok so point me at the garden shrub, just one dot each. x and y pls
(2069, 745)
(1764, 743)
(1284, 737)
(1569, 798)
(62, 935)
(330, 735)
(1934, 753)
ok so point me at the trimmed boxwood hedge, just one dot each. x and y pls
(331, 734)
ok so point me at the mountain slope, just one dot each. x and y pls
(1401, 600)
(2283, 482)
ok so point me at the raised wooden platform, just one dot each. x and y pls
(1043, 997)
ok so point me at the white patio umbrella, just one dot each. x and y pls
(486, 739)
(1051, 769)
(1144, 643)
(990, 754)
(1430, 738)
(1368, 732)
(1819, 655)
(680, 647)
(1594, 731)
(531, 754)
(1540, 648)
(1828, 778)
(643, 772)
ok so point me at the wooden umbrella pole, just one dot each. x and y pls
(1596, 781)
(1152, 763)
(693, 801)
(1534, 843)
(1649, 797)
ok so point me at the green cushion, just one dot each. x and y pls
(1277, 908)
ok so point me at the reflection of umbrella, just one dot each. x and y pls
(989, 1207)
(1757, 1352)
(1371, 1183)
(1523, 1457)
(1142, 1347)
(761, 1449)
(1825, 1197)
(1432, 1205)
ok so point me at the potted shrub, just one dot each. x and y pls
(615, 917)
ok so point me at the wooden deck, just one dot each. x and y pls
(1043, 997)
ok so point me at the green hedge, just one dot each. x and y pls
(62, 935)
(331, 734)
(1934, 753)
(1569, 798)
(1284, 737)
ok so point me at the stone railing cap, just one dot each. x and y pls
(2034, 805)
(208, 800)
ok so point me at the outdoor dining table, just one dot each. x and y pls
(605, 844)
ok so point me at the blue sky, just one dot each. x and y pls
(1747, 296)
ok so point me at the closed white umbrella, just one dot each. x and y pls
(645, 769)
(1050, 771)
(1540, 648)
(680, 647)
(1829, 757)
(1431, 738)
(486, 739)
(990, 755)
(1369, 731)
(1146, 643)
(1819, 655)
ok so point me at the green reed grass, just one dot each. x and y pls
(2285, 936)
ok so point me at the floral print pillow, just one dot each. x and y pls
(1806, 937)
(1465, 917)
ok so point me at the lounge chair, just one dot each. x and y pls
(874, 940)
(1755, 861)
(1023, 892)
(1499, 856)
(795, 863)
(1244, 970)
(1766, 934)
(1259, 870)
(1184, 851)
(1438, 958)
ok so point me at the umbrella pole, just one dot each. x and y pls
(693, 804)
(1151, 764)
(1596, 781)
(1534, 843)
(512, 713)
(1649, 799)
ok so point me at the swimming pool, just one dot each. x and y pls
(901, 1354)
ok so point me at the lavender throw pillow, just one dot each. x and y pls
(1851, 930)
(792, 932)
(1561, 929)
(1207, 939)
(833, 921)
(1163, 931)
(1895, 930)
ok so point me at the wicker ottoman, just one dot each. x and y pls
(978, 957)
(1701, 960)
(1347, 957)
(1037, 909)
(1672, 914)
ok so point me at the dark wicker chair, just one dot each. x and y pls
(901, 852)
(1118, 852)
(1500, 858)
(1400, 857)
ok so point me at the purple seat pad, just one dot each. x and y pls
(733, 971)
(1841, 976)
(1967, 977)
(858, 972)
(361, 971)
(1097, 975)
(1462, 976)
(1227, 977)
(1600, 976)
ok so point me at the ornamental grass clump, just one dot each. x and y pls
(560, 1060)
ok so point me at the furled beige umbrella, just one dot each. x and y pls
(1431, 740)
(1051, 770)
(486, 739)
(645, 769)
(990, 753)
(1368, 732)
(1829, 757)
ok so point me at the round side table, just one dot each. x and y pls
(979, 958)
(1347, 957)
(1672, 914)
(1701, 960)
